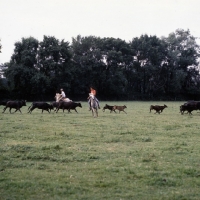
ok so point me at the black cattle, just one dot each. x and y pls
(40, 105)
(68, 106)
(73, 106)
(157, 108)
(55, 105)
(189, 107)
(109, 108)
(14, 104)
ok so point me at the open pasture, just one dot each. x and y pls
(138, 155)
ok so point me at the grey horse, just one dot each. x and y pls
(94, 107)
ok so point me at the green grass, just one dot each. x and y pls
(138, 155)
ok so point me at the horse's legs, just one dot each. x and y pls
(93, 112)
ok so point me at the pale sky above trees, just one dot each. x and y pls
(64, 19)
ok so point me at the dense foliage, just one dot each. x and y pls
(145, 68)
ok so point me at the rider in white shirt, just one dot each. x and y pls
(63, 94)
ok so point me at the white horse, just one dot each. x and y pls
(59, 96)
(94, 106)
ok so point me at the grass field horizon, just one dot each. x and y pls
(138, 155)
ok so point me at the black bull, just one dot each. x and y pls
(40, 105)
(68, 106)
(189, 107)
(14, 104)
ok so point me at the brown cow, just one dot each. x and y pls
(120, 108)
(109, 108)
(157, 108)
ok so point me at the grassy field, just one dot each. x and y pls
(138, 155)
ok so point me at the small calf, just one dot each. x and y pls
(157, 108)
(109, 108)
(120, 108)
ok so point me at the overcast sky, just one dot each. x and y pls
(64, 19)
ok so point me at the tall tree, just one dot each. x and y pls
(148, 63)
(183, 54)
(115, 54)
(3, 84)
(25, 52)
(36, 68)
(22, 67)
(52, 61)
(88, 62)
(100, 64)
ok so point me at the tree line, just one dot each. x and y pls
(146, 68)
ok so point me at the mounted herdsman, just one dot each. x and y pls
(92, 94)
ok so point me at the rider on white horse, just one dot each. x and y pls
(62, 97)
(62, 94)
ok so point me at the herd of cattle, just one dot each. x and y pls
(40, 105)
(186, 107)
(52, 106)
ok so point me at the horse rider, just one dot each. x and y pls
(62, 94)
(92, 94)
